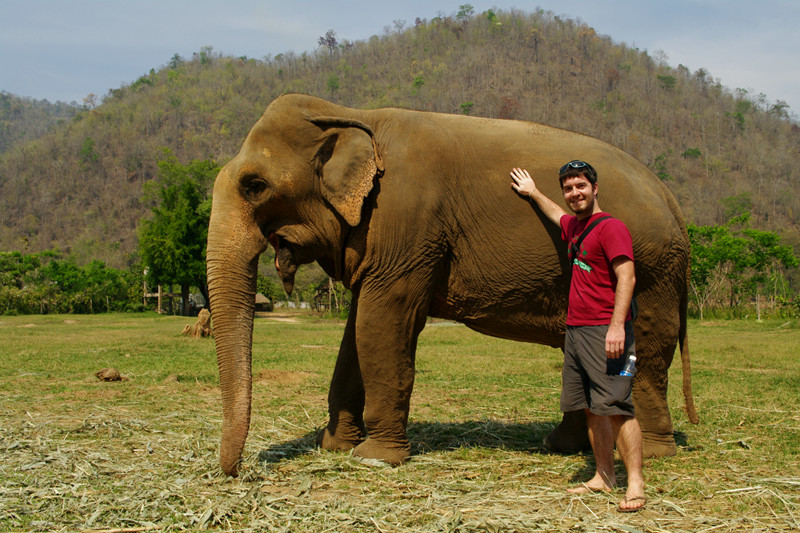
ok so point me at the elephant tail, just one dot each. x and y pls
(686, 364)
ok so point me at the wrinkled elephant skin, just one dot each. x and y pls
(414, 213)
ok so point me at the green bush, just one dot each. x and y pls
(45, 283)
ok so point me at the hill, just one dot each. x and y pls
(25, 119)
(78, 186)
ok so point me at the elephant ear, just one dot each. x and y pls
(348, 163)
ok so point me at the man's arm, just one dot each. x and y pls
(524, 185)
(626, 280)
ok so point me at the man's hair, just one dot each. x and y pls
(586, 170)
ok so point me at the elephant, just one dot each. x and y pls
(413, 211)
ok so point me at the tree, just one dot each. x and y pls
(271, 289)
(465, 12)
(329, 40)
(45, 283)
(205, 55)
(172, 243)
(660, 166)
(667, 82)
(90, 101)
(87, 154)
(333, 84)
(766, 256)
(709, 261)
(176, 61)
(780, 109)
(736, 256)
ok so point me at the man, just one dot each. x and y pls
(599, 336)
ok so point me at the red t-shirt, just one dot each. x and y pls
(591, 293)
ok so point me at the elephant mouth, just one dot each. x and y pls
(285, 262)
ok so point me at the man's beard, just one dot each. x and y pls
(588, 207)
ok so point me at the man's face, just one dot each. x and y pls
(580, 195)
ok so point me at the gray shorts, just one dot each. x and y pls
(589, 379)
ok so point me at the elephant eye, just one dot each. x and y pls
(253, 187)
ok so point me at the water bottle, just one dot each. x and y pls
(630, 367)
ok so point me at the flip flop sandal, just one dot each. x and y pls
(634, 509)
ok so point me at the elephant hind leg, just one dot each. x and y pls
(655, 349)
(571, 435)
(658, 445)
(654, 418)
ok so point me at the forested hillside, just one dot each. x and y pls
(25, 119)
(722, 151)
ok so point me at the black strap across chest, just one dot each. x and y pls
(575, 247)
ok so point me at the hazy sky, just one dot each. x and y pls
(66, 49)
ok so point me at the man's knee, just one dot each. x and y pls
(625, 424)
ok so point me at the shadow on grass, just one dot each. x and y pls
(289, 450)
(431, 437)
(428, 437)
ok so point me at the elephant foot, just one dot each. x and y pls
(328, 441)
(392, 454)
(570, 436)
(341, 436)
(657, 445)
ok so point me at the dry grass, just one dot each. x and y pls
(80, 454)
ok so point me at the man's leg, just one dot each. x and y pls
(601, 436)
(629, 444)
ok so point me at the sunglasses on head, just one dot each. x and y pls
(573, 164)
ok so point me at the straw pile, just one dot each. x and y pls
(112, 472)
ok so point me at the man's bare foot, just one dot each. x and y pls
(586, 488)
(599, 483)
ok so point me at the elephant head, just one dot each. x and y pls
(298, 183)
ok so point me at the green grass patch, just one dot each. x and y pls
(141, 454)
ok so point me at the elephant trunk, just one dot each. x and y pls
(232, 265)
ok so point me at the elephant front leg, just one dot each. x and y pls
(345, 429)
(388, 324)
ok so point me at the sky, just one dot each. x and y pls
(67, 49)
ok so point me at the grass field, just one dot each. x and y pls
(80, 454)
